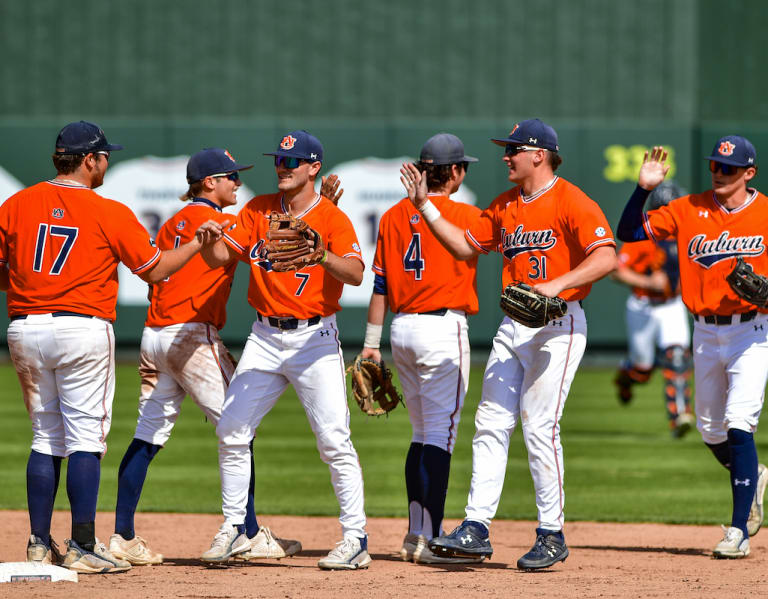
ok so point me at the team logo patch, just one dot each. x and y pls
(522, 241)
(356, 247)
(600, 232)
(414, 219)
(707, 252)
(58, 213)
(726, 148)
(288, 142)
(180, 225)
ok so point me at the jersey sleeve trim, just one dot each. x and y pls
(353, 255)
(378, 270)
(591, 247)
(147, 264)
(648, 229)
(472, 241)
(233, 244)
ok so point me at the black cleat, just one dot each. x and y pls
(548, 549)
(468, 539)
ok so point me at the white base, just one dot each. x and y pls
(35, 572)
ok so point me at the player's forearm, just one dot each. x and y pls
(452, 238)
(217, 254)
(377, 309)
(171, 261)
(346, 270)
(598, 264)
(630, 227)
(629, 277)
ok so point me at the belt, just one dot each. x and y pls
(438, 312)
(288, 323)
(60, 313)
(726, 319)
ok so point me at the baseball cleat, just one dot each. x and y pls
(623, 386)
(755, 520)
(548, 549)
(682, 425)
(98, 561)
(265, 545)
(423, 555)
(227, 543)
(136, 551)
(410, 543)
(349, 554)
(733, 545)
(468, 539)
(38, 551)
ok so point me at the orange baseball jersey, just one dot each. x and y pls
(644, 257)
(542, 236)
(62, 243)
(709, 239)
(301, 294)
(421, 274)
(197, 292)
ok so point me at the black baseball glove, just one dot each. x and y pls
(747, 284)
(522, 304)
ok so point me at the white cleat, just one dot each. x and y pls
(755, 520)
(349, 554)
(265, 545)
(733, 545)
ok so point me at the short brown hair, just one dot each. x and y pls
(67, 163)
(554, 160)
(193, 191)
(438, 174)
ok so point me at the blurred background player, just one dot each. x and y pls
(430, 294)
(60, 245)
(294, 340)
(182, 354)
(656, 319)
(553, 237)
(730, 335)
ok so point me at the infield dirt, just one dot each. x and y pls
(607, 560)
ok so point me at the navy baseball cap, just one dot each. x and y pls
(734, 150)
(444, 148)
(83, 138)
(299, 144)
(212, 161)
(532, 132)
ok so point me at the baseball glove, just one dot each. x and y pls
(292, 244)
(747, 284)
(522, 304)
(372, 387)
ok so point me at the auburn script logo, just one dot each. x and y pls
(522, 241)
(706, 252)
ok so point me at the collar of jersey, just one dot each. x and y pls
(750, 199)
(72, 184)
(312, 205)
(540, 192)
(205, 201)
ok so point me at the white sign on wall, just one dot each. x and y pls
(371, 187)
(8, 185)
(151, 187)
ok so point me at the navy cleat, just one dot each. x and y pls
(468, 539)
(548, 549)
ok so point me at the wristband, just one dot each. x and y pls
(430, 211)
(325, 257)
(373, 335)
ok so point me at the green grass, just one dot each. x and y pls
(620, 462)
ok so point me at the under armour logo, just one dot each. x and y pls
(758, 327)
(556, 323)
(704, 213)
(737, 482)
(324, 333)
(465, 540)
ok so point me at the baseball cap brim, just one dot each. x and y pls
(289, 154)
(727, 160)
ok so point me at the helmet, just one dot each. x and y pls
(664, 193)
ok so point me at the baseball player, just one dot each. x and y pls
(430, 294)
(294, 340)
(182, 353)
(730, 336)
(554, 238)
(60, 244)
(656, 318)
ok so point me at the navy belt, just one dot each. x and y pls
(287, 324)
(727, 319)
(60, 313)
(438, 312)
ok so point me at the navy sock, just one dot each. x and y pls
(83, 473)
(42, 483)
(436, 465)
(251, 523)
(413, 485)
(131, 476)
(722, 452)
(743, 475)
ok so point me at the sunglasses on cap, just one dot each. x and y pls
(289, 162)
(511, 150)
(726, 169)
(233, 176)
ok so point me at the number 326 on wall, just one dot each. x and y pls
(623, 162)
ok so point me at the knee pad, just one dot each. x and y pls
(676, 359)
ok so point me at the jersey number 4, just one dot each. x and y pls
(43, 230)
(412, 261)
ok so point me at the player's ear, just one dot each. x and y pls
(314, 168)
(749, 173)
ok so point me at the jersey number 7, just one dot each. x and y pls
(43, 230)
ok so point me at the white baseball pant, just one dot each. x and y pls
(654, 325)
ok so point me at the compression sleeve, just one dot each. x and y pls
(630, 227)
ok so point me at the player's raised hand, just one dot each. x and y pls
(415, 184)
(654, 168)
(329, 188)
(210, 231)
